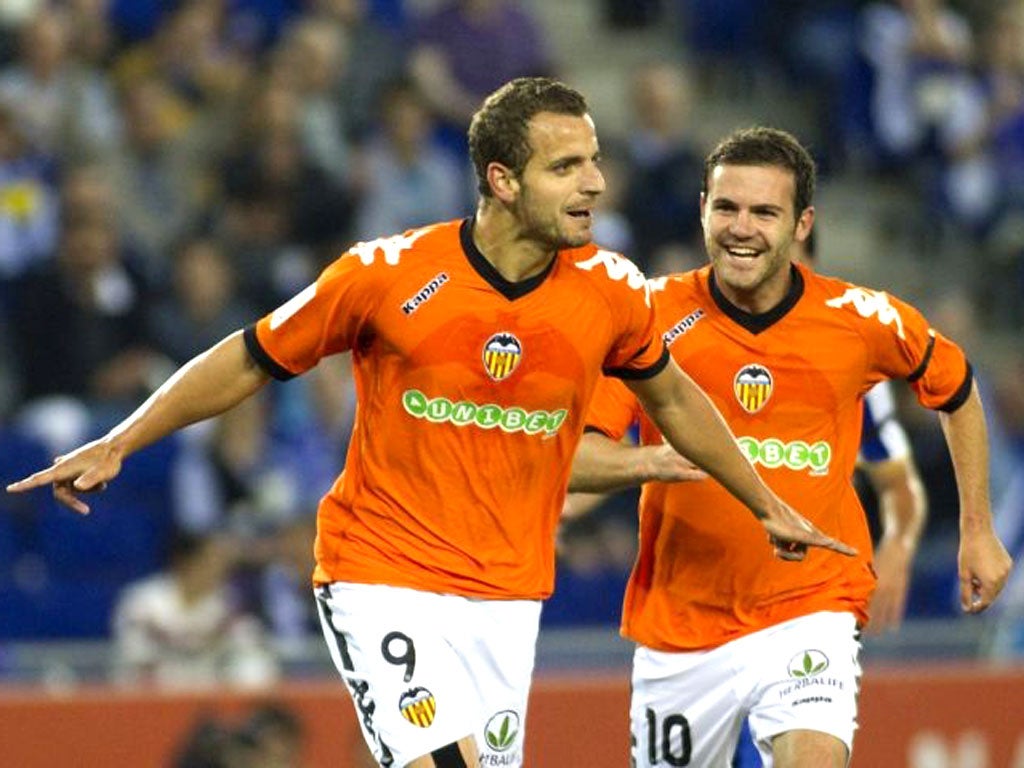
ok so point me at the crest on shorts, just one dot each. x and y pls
(418, 706)
(808, 664)
(502, 354)
(501, 730)
(753, 386)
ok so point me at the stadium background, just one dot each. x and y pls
(168, 170)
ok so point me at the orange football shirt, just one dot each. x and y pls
(471, 397)
(790, 383)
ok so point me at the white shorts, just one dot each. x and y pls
(426, 670)
(688, 708)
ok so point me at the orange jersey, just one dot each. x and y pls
(471, 397)
(790, 383)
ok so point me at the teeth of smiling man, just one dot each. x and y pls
(742, 251)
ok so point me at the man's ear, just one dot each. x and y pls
(503, 182)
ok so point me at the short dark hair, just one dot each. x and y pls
(765, 146)
(498, 131)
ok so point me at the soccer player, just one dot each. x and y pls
(723, 632)
(476, 346)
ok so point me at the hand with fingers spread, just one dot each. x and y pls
(85, 470)
(791, 534)
(984, 566)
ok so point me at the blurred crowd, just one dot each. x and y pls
(171, 170)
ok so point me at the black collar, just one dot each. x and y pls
(510, 290)
(762, 322)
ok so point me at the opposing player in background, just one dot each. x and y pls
(476, 346)
(724, 633)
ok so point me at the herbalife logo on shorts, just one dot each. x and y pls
(808, 664)
(501, 730)
(464, 413)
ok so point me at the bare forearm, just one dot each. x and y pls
(967, 439)
(694, 427)
(602, 465)
(210, 384)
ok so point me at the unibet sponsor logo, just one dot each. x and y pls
(418, 706)
(796, 455)
(808, 664)
(464, 413)
(501, 730)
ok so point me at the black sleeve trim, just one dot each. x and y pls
(629, 374)
(591, 428)
(263, 360)
(919, 371)
(960, 396)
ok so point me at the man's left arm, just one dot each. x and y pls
(983, 562)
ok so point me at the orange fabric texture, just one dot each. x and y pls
(471, 398)
(790, 384)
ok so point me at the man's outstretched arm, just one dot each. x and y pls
(210, 384)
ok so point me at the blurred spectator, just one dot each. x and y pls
(182, 629)
(309, 63)
(466, 49)
(375, 57)
(78, 331)
(278, 202)
(193, 55)
(406, 179)
(28, 201)
(665, 167)
(159, 188)
(203, 307)
(66, 106)
(918, 50)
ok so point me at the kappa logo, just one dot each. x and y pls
(868, 303)
(502, 354)
(425, 294)
(501, 730)
(418, 706)
(682, 327)
(808, 664)
(753, 387)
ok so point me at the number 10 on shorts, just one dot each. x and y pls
(668, 742)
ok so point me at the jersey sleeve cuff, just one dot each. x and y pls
(962, 393)
(262, 359)
(633, 374)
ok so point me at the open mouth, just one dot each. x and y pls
(584, 215)
(742, 252)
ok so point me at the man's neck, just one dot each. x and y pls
(498, 236)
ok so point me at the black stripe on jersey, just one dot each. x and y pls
(919, 371)
(510, 290)
(263, 360)
(597, 430)
(762, 322)
(962, 393)
(630, 374)
(448, 756)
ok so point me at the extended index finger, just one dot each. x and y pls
(37, 480)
